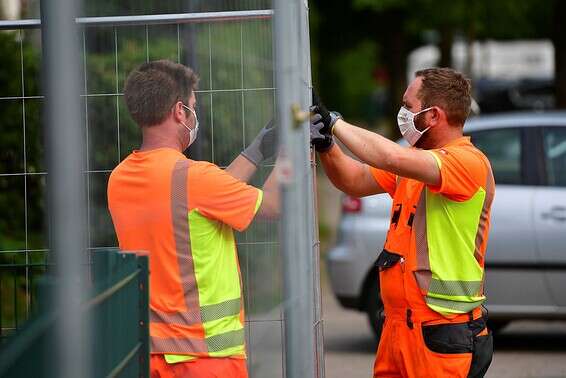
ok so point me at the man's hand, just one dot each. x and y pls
(322, 122)
(327, 118)
(264, 146)
(321, 139)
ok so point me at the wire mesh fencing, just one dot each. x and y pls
(230, 46)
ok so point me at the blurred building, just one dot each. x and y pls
(11, 9)
(508, 75)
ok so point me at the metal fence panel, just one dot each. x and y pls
(119, 309)
(236, 97)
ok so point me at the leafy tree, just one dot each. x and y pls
(395, 27)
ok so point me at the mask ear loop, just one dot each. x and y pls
(420, 112)
(424, 110)
(194, 115)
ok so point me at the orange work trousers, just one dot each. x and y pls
(199, 368)
(433, 350)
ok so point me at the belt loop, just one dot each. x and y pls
(471, 315)
(409, 320)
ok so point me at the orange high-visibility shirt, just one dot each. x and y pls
(182, 213)
(464, 172)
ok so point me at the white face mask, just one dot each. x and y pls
(406, 122)
(192, 132)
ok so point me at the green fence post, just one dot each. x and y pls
(143, 265)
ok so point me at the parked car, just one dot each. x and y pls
(526, 255)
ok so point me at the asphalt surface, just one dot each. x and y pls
(523, 349)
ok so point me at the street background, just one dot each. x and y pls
(364, 52)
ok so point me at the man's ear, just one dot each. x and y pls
(436, 115)
(178, 111)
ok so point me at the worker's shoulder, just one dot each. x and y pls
(473, 155)
(464, 150)
(203, 169)
(121, 167)
(465, 157)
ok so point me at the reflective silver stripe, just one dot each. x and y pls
(226, 340)
(489, 195)
(462, 307)
(185, 318)
(455, 288)
(178, 345)
(180, 218)
(221, 310)
(423, 274)
(216, 343)
(180, 225)
(206, 313)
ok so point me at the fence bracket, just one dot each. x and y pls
(299, 116)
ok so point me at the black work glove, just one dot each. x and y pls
(264, 146)
(321, 139)
(322, 122)
(327, 118)
(321, 134)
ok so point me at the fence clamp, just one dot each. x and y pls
(299, 116)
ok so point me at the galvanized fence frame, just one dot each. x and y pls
(302, 311)
(116, 22)
(304, 329)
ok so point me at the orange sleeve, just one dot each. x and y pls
(387, 180)
(462, 173)
(219, 196)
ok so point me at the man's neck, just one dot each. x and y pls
(159, 136)
(446, 136)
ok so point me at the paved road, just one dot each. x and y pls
(523, 349)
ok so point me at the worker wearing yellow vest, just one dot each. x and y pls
(431, 269)
(182, 213)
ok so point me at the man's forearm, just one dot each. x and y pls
(346, 174)
(380, 152)
(371, 148)
(241, 168)
(271, 205)
(338, 168)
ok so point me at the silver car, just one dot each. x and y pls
(526, 255)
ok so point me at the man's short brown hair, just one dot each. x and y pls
(447, 89)
(153, 88)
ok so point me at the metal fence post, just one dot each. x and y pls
(66, 183)
(299, 266)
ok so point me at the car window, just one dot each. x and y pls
(503, 149)
(555, 155)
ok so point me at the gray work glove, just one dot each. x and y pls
(264, 146)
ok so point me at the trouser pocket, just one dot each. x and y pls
(447, 350)
(482, 355)
(471, 337)
(387, 259)
(448, 338)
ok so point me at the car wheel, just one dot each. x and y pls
(374, 308)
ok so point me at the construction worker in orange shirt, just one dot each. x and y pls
(182, 213)
(431, 269)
